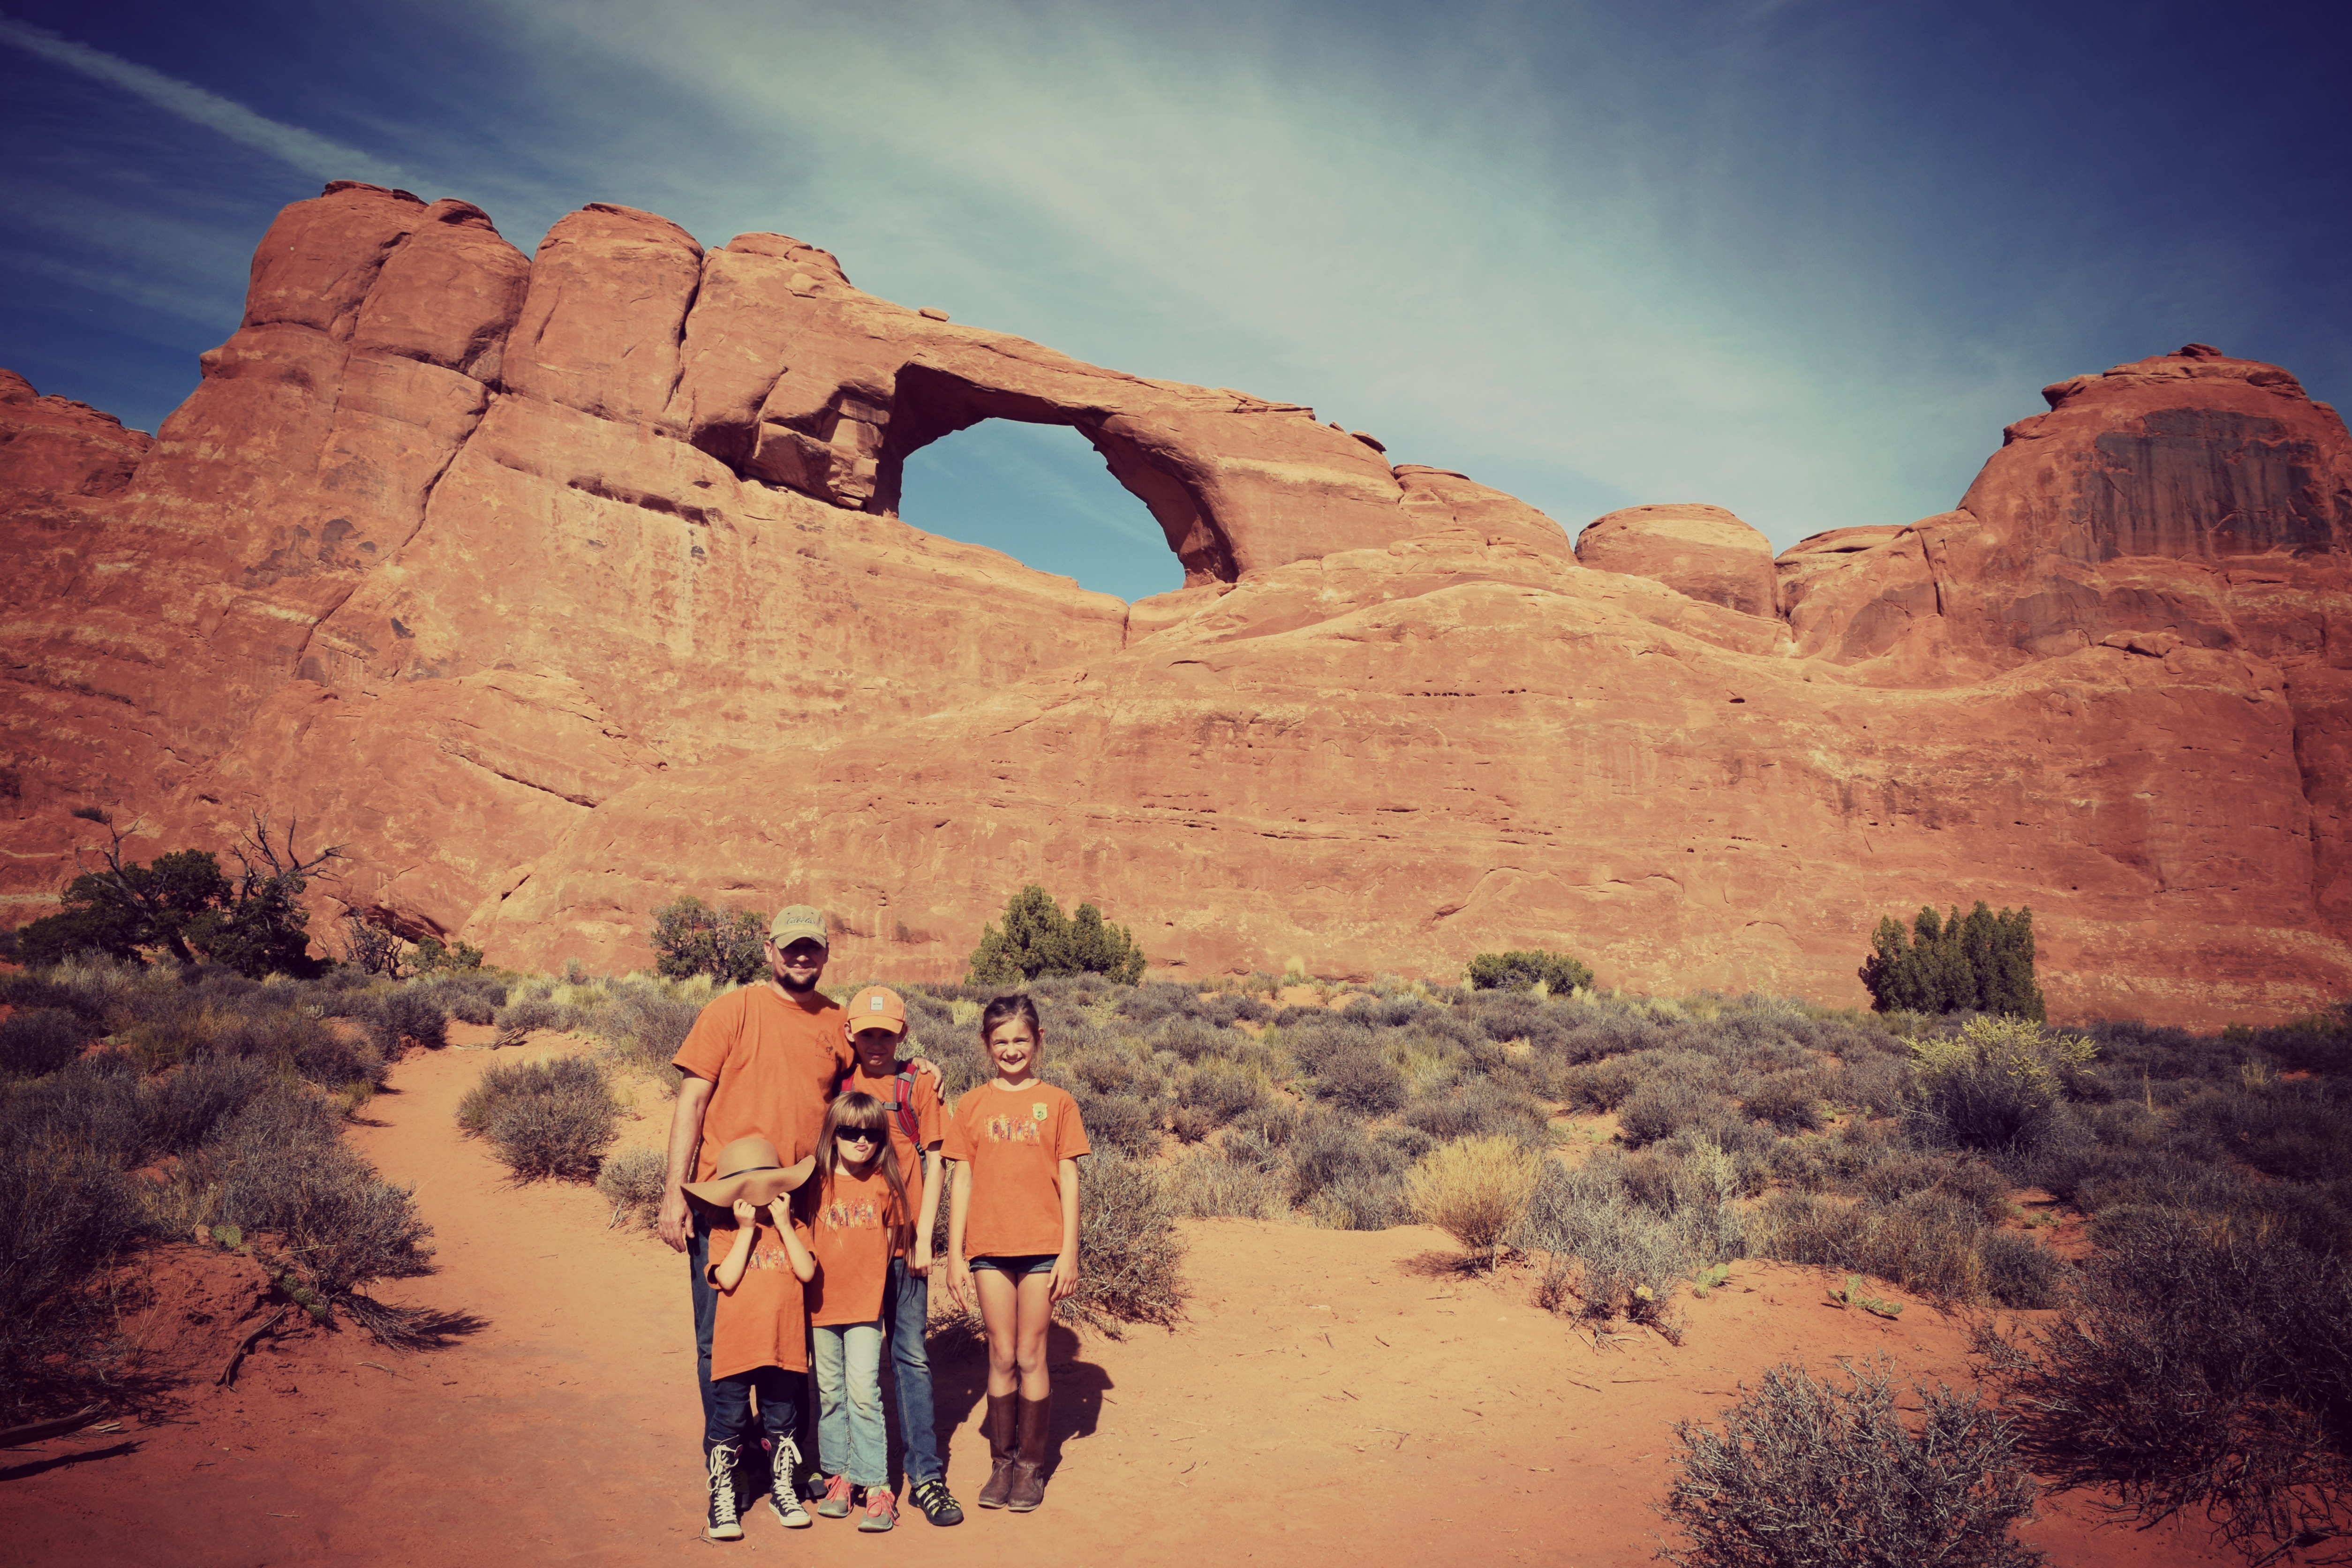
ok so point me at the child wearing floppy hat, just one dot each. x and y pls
(759, 1342)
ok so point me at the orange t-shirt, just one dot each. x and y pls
(925, 1097)
(763, 1322)
(852, 1224)
(775, 1063)
(1014, 1141)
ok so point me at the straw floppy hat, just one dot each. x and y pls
(749, 1168)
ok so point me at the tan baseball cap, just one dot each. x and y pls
(878, 1007)
(798, 923)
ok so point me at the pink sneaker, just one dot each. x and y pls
(881, 1510)
(839, 1496)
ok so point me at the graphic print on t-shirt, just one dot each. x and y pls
(1014, 1129)
(840, 1215)
(768, 1252)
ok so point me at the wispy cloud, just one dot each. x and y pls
(289, 143)
(1485, 271)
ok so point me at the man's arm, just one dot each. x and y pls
(685, 1138)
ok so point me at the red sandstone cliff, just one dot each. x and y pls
(556, 586)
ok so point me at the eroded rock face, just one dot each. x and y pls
(554, 587)
(55, 447)
(1702, 551)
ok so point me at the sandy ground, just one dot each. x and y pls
(1332, 1395)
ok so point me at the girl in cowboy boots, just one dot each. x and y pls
(761, 1330)
(1013, 1238)
(858, 1218)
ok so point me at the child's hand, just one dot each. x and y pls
(918, 1263)
(1063, 1281)
(779, 1214)
(744, 1213)
(960, 1289)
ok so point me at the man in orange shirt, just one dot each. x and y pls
(764, 1061)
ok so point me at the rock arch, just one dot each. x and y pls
(795, 378)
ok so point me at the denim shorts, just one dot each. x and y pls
(1020, 1265)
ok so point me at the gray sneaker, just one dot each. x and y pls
(881, 1510)
(839, 1498)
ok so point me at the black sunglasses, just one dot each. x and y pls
(857, 1135)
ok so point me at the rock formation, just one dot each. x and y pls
(557, 586)
(1701, 550)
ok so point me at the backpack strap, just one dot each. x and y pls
(902, 1105)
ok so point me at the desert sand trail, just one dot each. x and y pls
(1333, 1396)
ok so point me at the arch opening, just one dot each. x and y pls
(930, 404)
(1042, 494)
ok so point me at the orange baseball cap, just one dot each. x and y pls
(878, 1007)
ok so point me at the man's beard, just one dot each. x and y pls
(798, 987)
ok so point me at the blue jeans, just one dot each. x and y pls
(706, 1315)
(730, 1400)
(850, 1439)
(906, 1315)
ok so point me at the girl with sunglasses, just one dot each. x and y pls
(858, 1218)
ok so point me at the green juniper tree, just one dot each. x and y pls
(183, 903)
(1980, 962)
(1038, 940)
(692, 937)
(1523, 970)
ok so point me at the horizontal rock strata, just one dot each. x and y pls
(555, 586)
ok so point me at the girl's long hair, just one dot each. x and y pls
(861, 1113)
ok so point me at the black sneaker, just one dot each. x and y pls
(938, 1505)
(784, 1497)
(725, 1522)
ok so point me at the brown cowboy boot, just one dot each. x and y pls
(1028, 1482)
(998, 1425)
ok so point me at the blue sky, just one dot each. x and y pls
(1802, 260)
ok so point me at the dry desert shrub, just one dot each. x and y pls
(1361, 1081)
(1133, 1258)
(1789, 1100)
(1482, 1107)
(1619, 1232)
(1925, 1242)
(1991, 1085)
(552, 1118)
(634, 1180)
(1474, 1189)
(1340, 1177)
(2206, 1367)
(1205, 1184)
(278, 1164)
(66, 1211)
(647, 1023)
(1805, 1473)
(42, 1040)
(257, 1151)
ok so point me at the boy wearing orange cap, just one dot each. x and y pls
(877, 1027)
